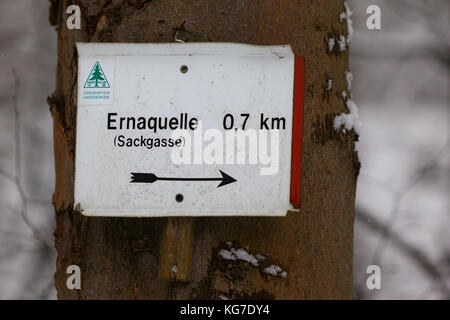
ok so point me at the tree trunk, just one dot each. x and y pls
(119, 257)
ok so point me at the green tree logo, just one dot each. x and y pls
(96, 78)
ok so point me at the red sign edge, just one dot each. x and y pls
(297, 130)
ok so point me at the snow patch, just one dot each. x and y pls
(331, 43)
(239, 254)
(275, 271)
(349, 120)
(227, 255)
(329, 84)
(346, 15)
(242, 254)
(342, 42)
(260, 257)
(349, 78)
(349, 22)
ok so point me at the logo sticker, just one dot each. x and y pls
(98, 77)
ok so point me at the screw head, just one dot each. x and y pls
(179, 197)
(184, 68)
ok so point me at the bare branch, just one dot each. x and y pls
(408, 249)
(18, 173)
(418, 175)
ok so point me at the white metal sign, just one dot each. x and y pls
(199, 129)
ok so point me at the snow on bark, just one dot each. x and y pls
(349, 79)
(350, 121)
(275, 271)
(346, 15)
(329, 84)
(331, 43)
(227, 255)
(342, 43)
(241, 254)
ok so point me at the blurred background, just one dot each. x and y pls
(401, 85)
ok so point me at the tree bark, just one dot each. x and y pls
(118, 257)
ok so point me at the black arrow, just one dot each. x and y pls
(151, 177)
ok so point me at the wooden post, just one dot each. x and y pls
(177, 242)
(314, 246)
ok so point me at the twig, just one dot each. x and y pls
(420, 173)
(18, 172)
(409, 250)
